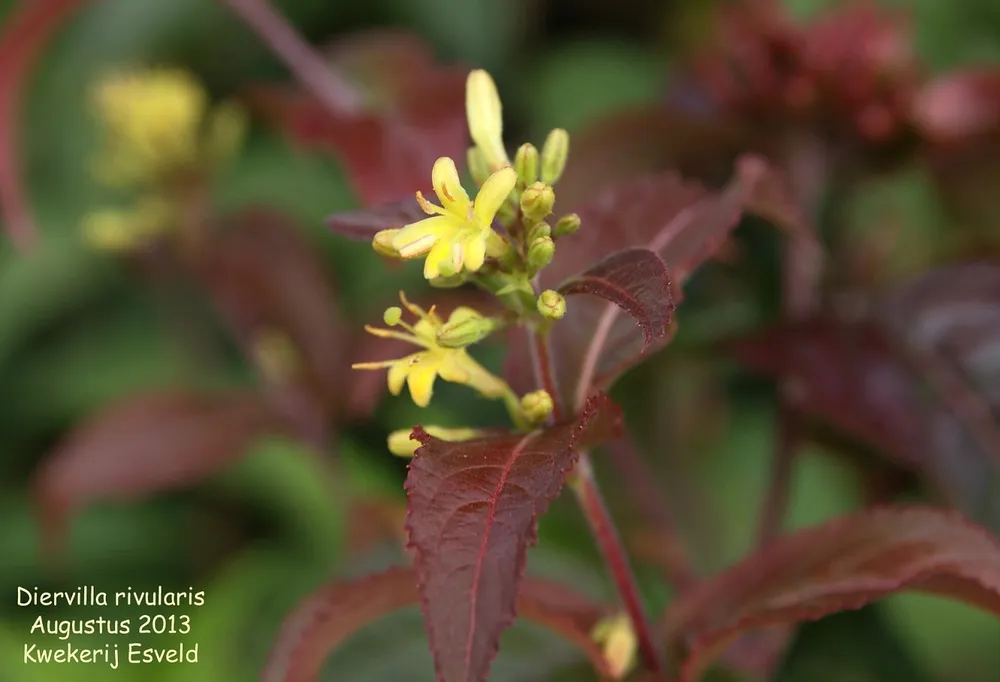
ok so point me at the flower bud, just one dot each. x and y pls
(551, 304)
(401, 445)
(464, 328)
(567, 225)
(540, 252)
(536, 406)
(484, 113)
(478, 168)
(539, 230)
(537, 201)
(526, 164)
(618, 642)
(382, 243)
(554, 154)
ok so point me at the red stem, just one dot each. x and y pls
(779, 489)
(605, 533)
(311, 70)
(602, 526)
(541, 365)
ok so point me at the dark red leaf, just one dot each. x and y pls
(364, 223)
(645, 140)
(847, 375)
(146, 444)
(473, 512)
(682, 222)
(264, 277)
(415, 113)
(842, 565)
(635, 280)
(327, 617)
(25, 31)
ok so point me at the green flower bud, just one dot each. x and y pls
(567, 225)
(540, 252)
(537, 201)
(526, 164)
(539, 230)
(536, 406)
(479, 169)
(551, 304)
(554, 154)
(464, 328)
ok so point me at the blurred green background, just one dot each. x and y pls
(77, 330)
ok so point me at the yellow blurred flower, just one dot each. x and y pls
(420, 370)
(459, 235)
(121, 230)
(157, 123)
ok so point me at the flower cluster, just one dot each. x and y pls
(498, 240)
(160, 137)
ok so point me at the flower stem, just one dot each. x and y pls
(602, 526)
(584, 485)
(300, 58)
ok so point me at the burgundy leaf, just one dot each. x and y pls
(846, 375)
(263, 276)
(330, 615)
(146, 444)
(682, 222)
(25, 31)
(636, 280)
(842, 565)
(634, 142)
(473, 512)
(415, 113)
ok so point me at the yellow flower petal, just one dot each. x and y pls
(451, 366)
(449, 188)
(421, 380)
(439, 254)
(492, 195)
(417, 238)
(397, 374)
(475, 252)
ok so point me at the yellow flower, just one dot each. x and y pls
(420, 370)
(157, 124)
(459, 233)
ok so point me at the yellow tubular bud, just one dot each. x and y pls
(485, 116)
(478, 168)
(555, 151)
(275, 355)
(526, 164)
(551, 304)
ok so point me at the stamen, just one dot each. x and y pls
(429, 208)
